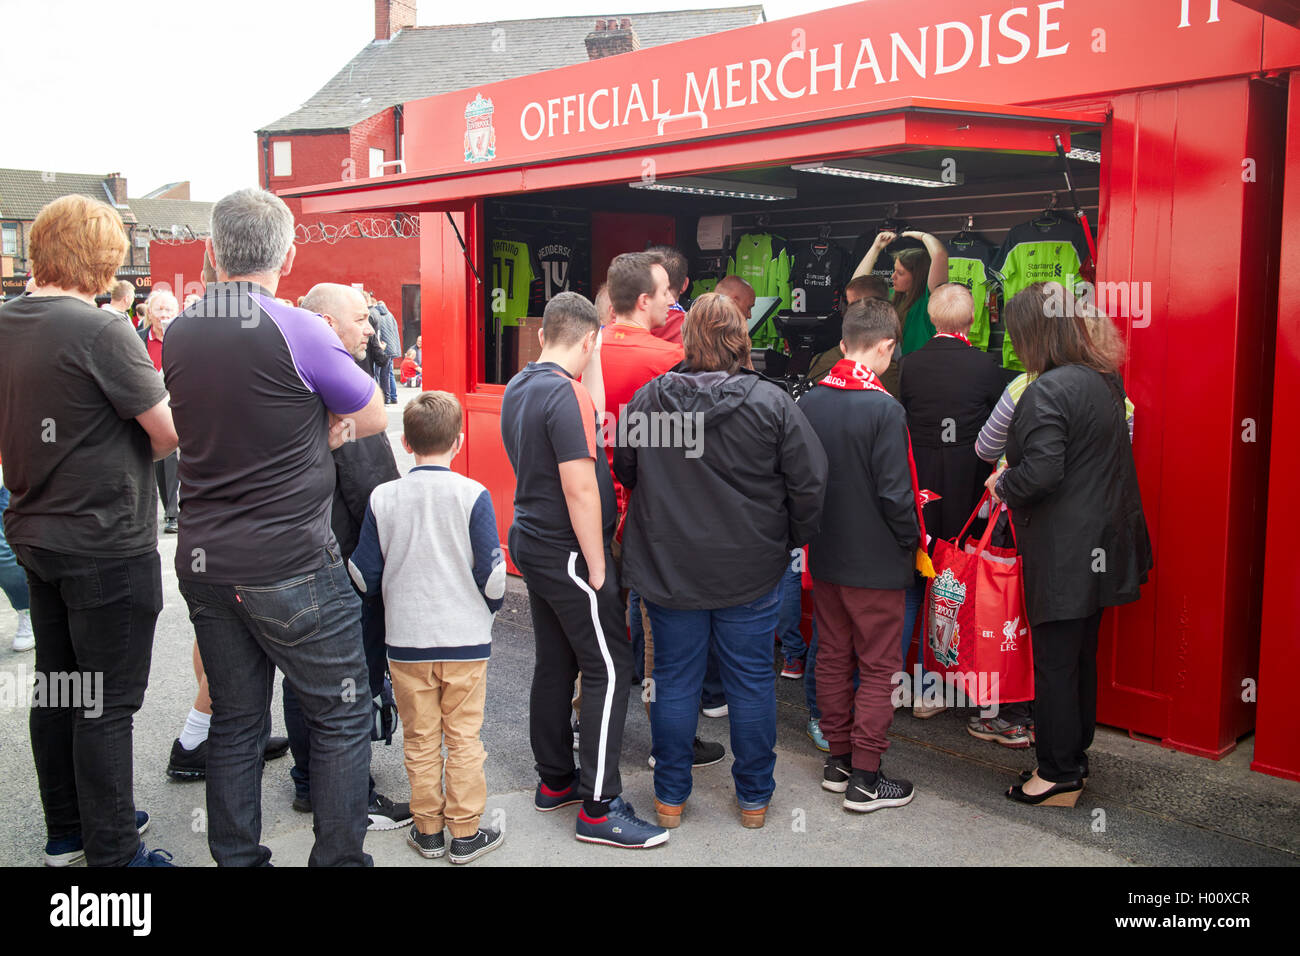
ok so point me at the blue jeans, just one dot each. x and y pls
(295, 723)
(637, 632)
(13, 581)
(914, 599)
(713, 694)
(793, 647)
(310, 627)
(741, 636)
(810, 677)
(388, 382)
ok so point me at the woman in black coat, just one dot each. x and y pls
(948, 388)
(715, 509)
(1072, 488)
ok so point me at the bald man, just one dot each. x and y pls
(738, 291)
(359, 467)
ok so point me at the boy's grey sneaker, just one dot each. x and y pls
(386, 815)
(835, 775)
(998, 730)
(864, 797)
(465, 849)
(428, 845)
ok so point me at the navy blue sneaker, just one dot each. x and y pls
(620, 827)
(546, 799)
(68, 850)
(146, 857)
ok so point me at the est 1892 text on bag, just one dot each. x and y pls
(976, 629)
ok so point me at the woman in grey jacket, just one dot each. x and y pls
(726, 477)
(1072, 488)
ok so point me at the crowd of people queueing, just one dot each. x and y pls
(302, 549)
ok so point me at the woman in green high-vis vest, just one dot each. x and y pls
(917, 272)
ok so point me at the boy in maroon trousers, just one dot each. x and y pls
(864, 557)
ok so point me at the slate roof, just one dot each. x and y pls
(24, 192)
(161, 214)
(425, 61)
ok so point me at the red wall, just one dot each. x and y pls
(1277, 733)
(383, 265)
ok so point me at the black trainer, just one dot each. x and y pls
(465, 849)
(883, 792)
(193, 764)
(836, 774)
(428, 845)
(705, 753)
(386, 815)
(188, 764)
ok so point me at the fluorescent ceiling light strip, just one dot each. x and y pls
(880, 172)
(878, 177)
(725, 188)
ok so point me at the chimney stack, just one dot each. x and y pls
(611, 37)
(393, 16)
(116, 183)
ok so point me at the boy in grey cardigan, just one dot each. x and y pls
(429, 540)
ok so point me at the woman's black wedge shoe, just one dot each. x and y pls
(1059, 795)
(1025, 776)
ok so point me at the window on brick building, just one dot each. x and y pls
(8, 239)
(282, 158)
(376, 162)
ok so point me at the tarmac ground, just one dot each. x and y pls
(1144, 805)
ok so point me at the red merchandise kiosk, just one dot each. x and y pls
(1178, 114)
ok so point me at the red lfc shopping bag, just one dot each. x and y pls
(976, 630)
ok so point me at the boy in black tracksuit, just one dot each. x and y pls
(564, 522)
(863, 558)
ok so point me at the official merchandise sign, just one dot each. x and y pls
(828, 65)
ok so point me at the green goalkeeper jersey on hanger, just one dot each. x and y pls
(763, 260)
(512, 278)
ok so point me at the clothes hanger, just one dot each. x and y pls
(1050, 216)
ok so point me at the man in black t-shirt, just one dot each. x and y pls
(261, 392)
(83, 418)
(564, 522)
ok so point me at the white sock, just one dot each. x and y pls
(196, 729)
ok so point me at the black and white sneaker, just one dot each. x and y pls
(882, 792)
(704, 753)
(386, 815)
(428, 845)
(835, 775)
(465, 849)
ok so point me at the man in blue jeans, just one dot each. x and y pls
(261, 392)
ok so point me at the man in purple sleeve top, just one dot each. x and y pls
(260, 393)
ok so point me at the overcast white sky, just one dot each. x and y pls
(167, 90)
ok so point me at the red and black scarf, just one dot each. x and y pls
(854, 376)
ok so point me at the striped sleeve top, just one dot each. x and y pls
(991, 444)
